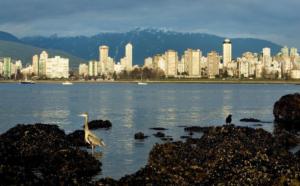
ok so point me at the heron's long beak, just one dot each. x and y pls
(82, 115)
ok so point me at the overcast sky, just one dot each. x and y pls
(275, 20)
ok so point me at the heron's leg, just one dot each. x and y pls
(92, 149)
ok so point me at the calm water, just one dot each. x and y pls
(133, 108)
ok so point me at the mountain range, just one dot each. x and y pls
(146, 42)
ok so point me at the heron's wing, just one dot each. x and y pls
(95, 140)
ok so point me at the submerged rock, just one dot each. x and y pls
(226, 155)
(99, 124)
(159, 134)
(158, 128)
(140, 136)
(250, 120)
(41, 154)
(287, 109)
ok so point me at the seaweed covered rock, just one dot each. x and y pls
(76, 138)
(40, 154)
(99, 124)
(287, 109)
(226, 155)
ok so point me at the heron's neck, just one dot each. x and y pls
(86, 119)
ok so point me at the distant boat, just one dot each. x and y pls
(142, 83)
(67, 83)
(27, 82)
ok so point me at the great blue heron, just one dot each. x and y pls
(89, 137)
(228, 119)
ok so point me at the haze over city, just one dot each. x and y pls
(274, 20)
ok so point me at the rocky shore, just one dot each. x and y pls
(42, 154)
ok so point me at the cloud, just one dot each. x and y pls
(271, 19)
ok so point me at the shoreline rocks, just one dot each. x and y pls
(41, 154)
(287, 110)
(226, 154)
(250, 120)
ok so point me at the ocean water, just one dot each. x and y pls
(132, 108)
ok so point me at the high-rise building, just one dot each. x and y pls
(227, 52)
(213, 61)
(1, 68)
(7, 67)
(93, 68)
(285, 51)
(57, 67)
(104, 52)
(267, 59)
(171, 62)
(128, 55)
(294, 52)
(192, 60)
(148, 62)
(35, 65)
(83, 70)
(42, 63)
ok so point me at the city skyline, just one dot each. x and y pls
(229, 18)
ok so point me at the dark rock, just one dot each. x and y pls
(257, 125)
(196, 129)
(158, 128)
(287, 109)
(99, 124)
(226, 155)
(76, 138)
(185, 137)
(159, 134)
(167, 138)
(140, 136)
(249, 120)
(286, 138)
(40, 154)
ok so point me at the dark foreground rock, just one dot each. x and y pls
(140, 136)
(99, 124)
(76, 138)
(287, 109)
(226, 155)
(41, 154)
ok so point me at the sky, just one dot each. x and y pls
(274, 20)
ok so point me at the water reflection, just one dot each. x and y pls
(132, 109)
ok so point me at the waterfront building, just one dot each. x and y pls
(83, 70)
(295, 74)
(285, 51)
(192, 62)
(227, 52)
(128, 55)
(7, 67)
(118, 68)
(148, 62)
(93, 69)
(103, 59)
(27, 70)
(35, 65)
(171, 63)
(57, 67)
(213, 60)
(42, 63)
(294, 52)
(1, 68)
(181, 66)
(266, 57)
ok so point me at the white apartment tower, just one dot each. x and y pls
(227, 52)
(128, 55)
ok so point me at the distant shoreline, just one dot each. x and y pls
(187, 81)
